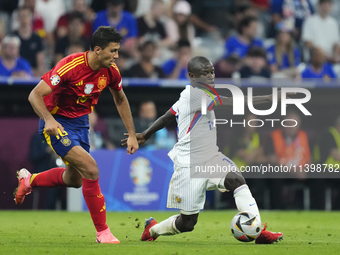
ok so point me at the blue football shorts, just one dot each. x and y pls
(76, 133)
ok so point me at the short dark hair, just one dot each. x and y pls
(325, 1)
(104, 35)
(183, 43)
(76, 15)
(77, 43)
(242, 8)
(245, 22)
(257, 52)
(146, 44)
(196, 63)
(114, 2)
(25, 8)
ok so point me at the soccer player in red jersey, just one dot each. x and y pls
(63, 99)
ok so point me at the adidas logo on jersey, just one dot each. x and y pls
(79, 83)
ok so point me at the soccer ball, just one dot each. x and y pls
(245, 226)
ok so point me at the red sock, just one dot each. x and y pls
(49, 178)
(96, 203)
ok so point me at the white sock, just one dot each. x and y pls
(245, 201)
(165, 228)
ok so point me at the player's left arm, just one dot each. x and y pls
(124, 111)
(227, 102)
(160, 123)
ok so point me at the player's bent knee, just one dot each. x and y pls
(233, 180)
(92, 174)
(78, 184)
(90, 170)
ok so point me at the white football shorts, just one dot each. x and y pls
(187, 193)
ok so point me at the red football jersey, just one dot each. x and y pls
(76, 87)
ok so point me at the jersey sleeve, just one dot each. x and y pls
(174, 109)
(56, 76)
(116, 78)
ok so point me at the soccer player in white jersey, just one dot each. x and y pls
(197, 146)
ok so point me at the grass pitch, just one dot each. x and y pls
(40, 232)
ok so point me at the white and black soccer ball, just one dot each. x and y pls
(245, 226)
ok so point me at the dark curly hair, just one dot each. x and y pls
(104, 35)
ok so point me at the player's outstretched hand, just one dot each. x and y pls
(140, 138)
(132, 145)
(53, 127)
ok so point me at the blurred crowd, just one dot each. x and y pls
(253, 39)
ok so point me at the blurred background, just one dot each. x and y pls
(255, 43)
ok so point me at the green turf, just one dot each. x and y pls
(39, 232)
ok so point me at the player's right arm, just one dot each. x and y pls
(160, 123)
(36, 98)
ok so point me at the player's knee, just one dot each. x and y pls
(91, 170)
(92, 174)
(77, 184)
(233, 180)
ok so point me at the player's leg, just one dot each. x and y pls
(186, 194)
(87, 167)
(54, 177)
(244, 200)
(186, 223)
(174, 225)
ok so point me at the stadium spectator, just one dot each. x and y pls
(327, 151)
(11, 64)
(3, 28)
(292, 11)
(38, 22)
(261, 4)
(123, 21)
(179, 27)
(146, 116)
(288, 146)
(225, 67)
(150, 26)
(255, 64)
(123, 64)
(31, 47)
(176, 68)
(245, 9)
(50, 11)
(241, 43)
(246, 149)
(145, 68)
(75, 33)
(78, 6)
(75, 47)
(97, 141)
(6, 10)
(319, 68)
(284, 56)
(321, 30)
(211, 16)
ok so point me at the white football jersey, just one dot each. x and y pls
(196, 132)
